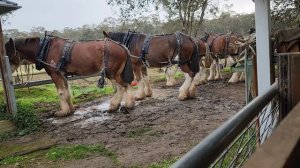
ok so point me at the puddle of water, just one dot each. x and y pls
(93, 120)
(67, 120)
(88, 115)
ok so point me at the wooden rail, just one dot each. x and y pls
(44, 82)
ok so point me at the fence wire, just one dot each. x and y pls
(256, 132)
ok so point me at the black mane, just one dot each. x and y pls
(135, 39)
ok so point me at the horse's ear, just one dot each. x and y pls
(105, 33)
(11, 41)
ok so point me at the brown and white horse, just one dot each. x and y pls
(86, 58)
(222, 46)
(162, 50)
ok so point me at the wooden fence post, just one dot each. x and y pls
(6, 79)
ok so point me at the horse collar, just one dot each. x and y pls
(43, 51)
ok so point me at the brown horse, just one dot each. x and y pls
(200, 77)
(86, 58)
(222, 46)
(162, 50)
(287, 40)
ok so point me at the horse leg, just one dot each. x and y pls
(203, 75)
(147, 86)
(212, 71)
(242, 77)
(170, 76)
(200, 77)
(184, 89)
(64, 95)
(234, 78)
(117, 98)
(218, 71)
(129, 99)
(140, 95)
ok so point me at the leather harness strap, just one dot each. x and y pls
(145, 49)
(127, 38)
(43, 51)
(66, 54)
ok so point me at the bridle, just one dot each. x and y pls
(15, 55)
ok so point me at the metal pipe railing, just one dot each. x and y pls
(208, 150)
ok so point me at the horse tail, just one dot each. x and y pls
(127, 73)
(194, 61)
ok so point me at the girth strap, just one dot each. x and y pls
(145, 49)
(43, 51)
(66, 54)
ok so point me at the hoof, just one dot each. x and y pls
(130, 104)
(139, 97)
(169, 84)
(192, 92)
(62, 113)
(113, 108)
(201, 82)
(182, 97)
(210, 79)
(148, 93)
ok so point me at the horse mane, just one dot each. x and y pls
(136, 38)
(25, 41)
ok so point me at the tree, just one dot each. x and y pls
(190, 13)
(285, 13)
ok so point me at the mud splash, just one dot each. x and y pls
(84, 117)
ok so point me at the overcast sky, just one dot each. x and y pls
(58, 14)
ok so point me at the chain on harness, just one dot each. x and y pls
(101, 81)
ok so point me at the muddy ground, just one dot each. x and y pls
(159, 128)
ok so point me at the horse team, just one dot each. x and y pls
(121, 56)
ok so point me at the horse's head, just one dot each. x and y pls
(202, 47)
(14, 56)
(235, 44)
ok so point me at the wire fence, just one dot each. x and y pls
(256, 132)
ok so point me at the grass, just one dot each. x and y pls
(164, 164)
(35, 100)
(162, 77)
(79, 152)
(63, 153)
(22, 159)
(137, 132)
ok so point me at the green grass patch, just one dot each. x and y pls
(137, 132)
(162, 77)
(73, 152)
(23, 159)
(79, 152)
(164, 164)
(226, 70)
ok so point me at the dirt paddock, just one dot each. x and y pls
(159, 128)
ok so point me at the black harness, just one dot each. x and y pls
(145, 49)
(43, 51)
(66, 54)
(127, 38)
